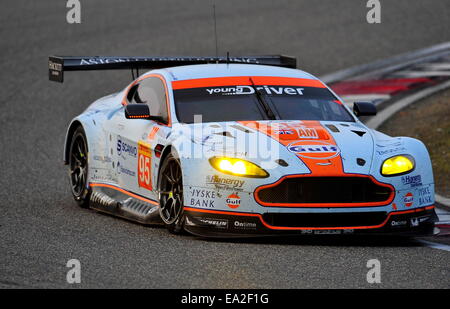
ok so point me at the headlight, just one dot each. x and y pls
(237, 167)
(397, 165)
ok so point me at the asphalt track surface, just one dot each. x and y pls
(41, 227)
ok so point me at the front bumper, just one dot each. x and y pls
(214, 223)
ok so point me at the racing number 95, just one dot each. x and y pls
(144, 166)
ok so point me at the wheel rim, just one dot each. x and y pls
(171, 192)
(78, 166)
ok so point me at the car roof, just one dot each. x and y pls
(224, 70)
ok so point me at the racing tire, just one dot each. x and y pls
(170, 187)
(78, 168)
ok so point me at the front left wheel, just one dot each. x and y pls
(78, 168)
(170, 185)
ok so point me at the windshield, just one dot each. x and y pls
(251, 102)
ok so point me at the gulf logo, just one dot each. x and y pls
(408, 199)
(233, 201)
(314, 149)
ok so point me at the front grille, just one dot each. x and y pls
(324, 190)
(313, 220)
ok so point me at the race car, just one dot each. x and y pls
(239, 147)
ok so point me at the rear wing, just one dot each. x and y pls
(58, 64)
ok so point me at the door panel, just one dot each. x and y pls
(136, 165)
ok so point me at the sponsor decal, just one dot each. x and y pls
(398, 223)
(218, 223)
(123, 148)
(425, 196)
(54, 66)
(103, 175)
(229, 153)
(413, 181)
(408, 199)
(389, 151)
(124, 170)
(246, 90)
(244, 225)
(327, 232)
(212, 140)
(314, 149)
(202, 198)
(144, 166)
(414, 222)
(103, 159)
(423, 219)
(225, 183)
(100, 60)
(233, 201)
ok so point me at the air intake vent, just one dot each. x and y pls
(329, 191)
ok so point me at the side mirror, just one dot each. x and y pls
(364, 109)
(140, 111)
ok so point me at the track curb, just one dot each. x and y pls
(387, 64)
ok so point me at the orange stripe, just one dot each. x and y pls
(124, 192)
(308, 228)
(333, 165)
(245, 81)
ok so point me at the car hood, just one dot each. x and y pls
(323, 148)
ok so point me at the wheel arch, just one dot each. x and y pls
(69, 135)
(166, 151)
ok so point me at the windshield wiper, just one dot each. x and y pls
(263, 103)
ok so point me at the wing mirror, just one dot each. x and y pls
(140, 111)
(364, 109)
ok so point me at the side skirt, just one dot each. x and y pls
(121, 203)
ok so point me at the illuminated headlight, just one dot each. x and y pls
(397, 165)
(237, 167)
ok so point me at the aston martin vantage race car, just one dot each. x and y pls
(241, 146)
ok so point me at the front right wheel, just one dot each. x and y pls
(170, 185)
